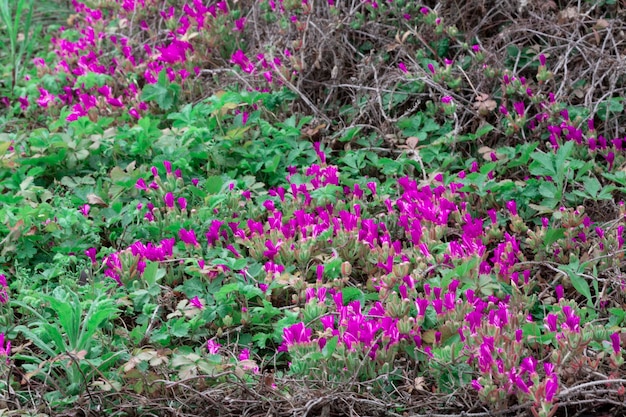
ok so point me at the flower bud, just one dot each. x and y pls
(346, 269)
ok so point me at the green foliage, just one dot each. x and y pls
(164, 93)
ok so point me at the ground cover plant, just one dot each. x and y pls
(312, 208)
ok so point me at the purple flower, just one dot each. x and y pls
(446, 100)
(551, 322)
(511, 206)
(212, 346)
(5, 350)
(84, 210)
(168, 167)
(542, 60)
(572, 321)
(320, 273)
(529, 364)
(559, 292)
(169, 200)
(402, 67)
(295, 334)
(520, 108)
(188, 237)
(91, 254)
(195, 301)
(552, 386)
(431, 68)
(239, 24)
(616, 342)
(372, 187)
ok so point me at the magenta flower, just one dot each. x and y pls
(188, 237)
(610, 158)
(446, 100)
(552, 386)
(169, 200)
(294, 335)
(511, 206)
(240, 58)
(372, 187)
(520, 108)
(320, 273)
(168, 167)
(402, 67)
(239, 24)
(5, 350)
(572, 321)
(213, 347)
(4, 297)
(542, 60)
(616, 342)
(141, 184)
(23, 103)
(559, 292)
(195, 301)
(431, 68)
(84, 210)
(182, 203)
(174, 52)
(91, 254)
(45, 97)
(551, 321)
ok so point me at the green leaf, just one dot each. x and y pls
(180, 328)
(552, 235)
(578, 281)
(150, 273)
(214, 184)
(329, 347)
(350, 294)
(162, 92)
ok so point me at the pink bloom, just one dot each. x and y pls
(244, 355)
(174, 52)
(45, 98)
(91, 254)
(115, 102)
(402, 67)
(559, 292)
(23, 103)
(512, 207)
(295, 334)
(84, 210)
(616, 342)
(212, 346)
(188, 237)
(551, 322)
(169, 200)
(195, 301)
(239, 24)
(552, 386)
(141, 184)
(5, 350)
